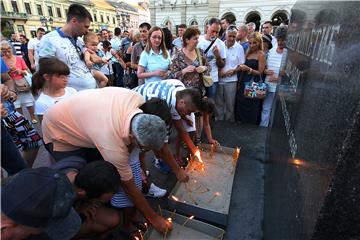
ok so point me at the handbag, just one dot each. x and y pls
(130, 79)
(206, 79)
(255, 90)
(21, 85)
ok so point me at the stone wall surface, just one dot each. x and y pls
(312, 177)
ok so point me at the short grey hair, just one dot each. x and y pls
(251, 24)
(281, 32)
(243, 27)
(149, 130)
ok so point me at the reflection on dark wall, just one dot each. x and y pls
(314, 109)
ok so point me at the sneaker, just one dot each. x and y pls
(163, 167)
(155, 191)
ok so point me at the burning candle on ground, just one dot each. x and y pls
(170, 221)
(187, 220)
(174, 198)
(214, 196)
(236, 153)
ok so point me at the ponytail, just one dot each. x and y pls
(38, 82)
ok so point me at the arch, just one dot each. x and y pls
(168, 23)
(230, 16)
(255, 17)
(280, 16)
(193, 22)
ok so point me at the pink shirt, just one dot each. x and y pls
(19, 65)
(96, 118)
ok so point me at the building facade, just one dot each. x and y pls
(25, 16)
(171, 13)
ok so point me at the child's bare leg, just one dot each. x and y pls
(101, 79)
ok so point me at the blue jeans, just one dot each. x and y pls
(11, 159)
(211, 91)
(119, 74)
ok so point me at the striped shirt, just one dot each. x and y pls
(165, 90)
(273, 62)
(17, 47)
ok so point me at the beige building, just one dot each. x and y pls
(171, 13)
(25, 16)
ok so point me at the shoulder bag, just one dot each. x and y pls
(207, 80)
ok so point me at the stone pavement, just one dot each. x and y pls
(246, 209)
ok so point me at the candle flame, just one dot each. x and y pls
(169, 219)
(198, 155)
(191, 217)
(238, 150)
(136, 238)
(175, 198)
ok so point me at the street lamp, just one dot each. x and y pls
(45, 20)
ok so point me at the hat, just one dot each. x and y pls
(41, 198)
(149, 130)
(268, 38)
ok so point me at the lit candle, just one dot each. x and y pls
(174, 198)
(187, 220)
(198, 155)
(141, 236)
(236, 153)
(214, 196)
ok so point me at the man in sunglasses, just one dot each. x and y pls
(65, 43)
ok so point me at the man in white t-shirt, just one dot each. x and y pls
(215, 55)
(225, 96)
(65, 44)
(32, 48)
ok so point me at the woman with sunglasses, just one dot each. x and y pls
(155, 59)
(225, 95)
(248, 110)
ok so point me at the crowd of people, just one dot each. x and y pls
(103, 101)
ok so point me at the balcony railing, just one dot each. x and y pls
(14, 15)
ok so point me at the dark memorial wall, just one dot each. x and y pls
(312, 179)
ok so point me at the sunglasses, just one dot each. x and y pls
(232, 28)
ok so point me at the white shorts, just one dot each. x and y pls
(188, 128)
(24, 99)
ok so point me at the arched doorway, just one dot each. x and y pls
(255, 18)
(168, 24)
(230, 17)
(194, 23)
(280, 17)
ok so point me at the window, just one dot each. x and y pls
(95, 17)
(21, 29)
(102, 18)
(27, 8)
(58, 11)
(108, 19)
(114, 20)
(50, 11)
(14, 6)
(39, 9)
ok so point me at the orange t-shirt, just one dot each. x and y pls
(97, 118)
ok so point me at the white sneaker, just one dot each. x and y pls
(155, 191)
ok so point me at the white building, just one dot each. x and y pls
(171, 13)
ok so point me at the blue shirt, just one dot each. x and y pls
(4, 68)
(152, 62)
(245, 45)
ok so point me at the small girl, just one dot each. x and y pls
(50, 81)
(92, 60)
